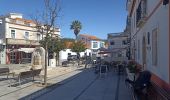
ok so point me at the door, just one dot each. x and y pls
(144, 52)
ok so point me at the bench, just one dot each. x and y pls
(36, 73)
(65, 63)
(5, 71)
(23, 76)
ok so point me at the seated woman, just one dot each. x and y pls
(141, 82)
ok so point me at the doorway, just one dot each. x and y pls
(144, 52)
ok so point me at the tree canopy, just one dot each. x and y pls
(76, 26)
(78, 47)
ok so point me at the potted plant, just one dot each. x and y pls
(131, 70)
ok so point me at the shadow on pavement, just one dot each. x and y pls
(51, 87)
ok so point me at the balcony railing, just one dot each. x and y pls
(141, 13)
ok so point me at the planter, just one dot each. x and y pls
(130, 75)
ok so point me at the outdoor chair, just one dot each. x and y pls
(65, 63)
(120, 68)
(97, 66)
(6, 71)
(103, 70)
(141, 84)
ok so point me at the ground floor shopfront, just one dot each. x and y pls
(18, 51)
(19, 54)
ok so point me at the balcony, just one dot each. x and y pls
(22, 42)
(141, 14)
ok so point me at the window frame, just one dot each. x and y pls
(155, 47)
(26, 37)
(13, 34)
(95, 42)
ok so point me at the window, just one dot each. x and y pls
(148, 38)
(95, 44)
(112, 43)
(165, 2)
(26, 35)
(138, 13)
(27, 24)
(154, 46)
(124, 42)
(101, 44)
(38, 37)
(0, 21)
(12, 57)
(13, 34)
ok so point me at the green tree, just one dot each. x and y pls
(76, 26)
(57, 46)
(78, 47)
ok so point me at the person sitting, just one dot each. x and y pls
(142, 82)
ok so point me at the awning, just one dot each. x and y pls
(26, 50)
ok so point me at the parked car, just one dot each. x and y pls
(72, 57)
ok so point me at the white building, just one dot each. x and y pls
(92, 42)
(19, 38)
(65, 53)
(117, 45)
(150, 38)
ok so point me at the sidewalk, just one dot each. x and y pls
(70, 83)
(88, 86)
(55, 75)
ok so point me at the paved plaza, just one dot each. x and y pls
(70, 83)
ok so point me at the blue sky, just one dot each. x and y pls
(98, 17)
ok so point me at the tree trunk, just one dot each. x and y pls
(45, 69)
(58, 58)
(78, 58)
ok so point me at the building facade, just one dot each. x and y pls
(117, 45)
(92, 42)
(150, 38)
(18, 37)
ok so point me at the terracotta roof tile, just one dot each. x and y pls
(24, 20)
(90, 36)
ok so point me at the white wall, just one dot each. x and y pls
(158, 20)
(64, 54)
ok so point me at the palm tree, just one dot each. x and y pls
(76, 26)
